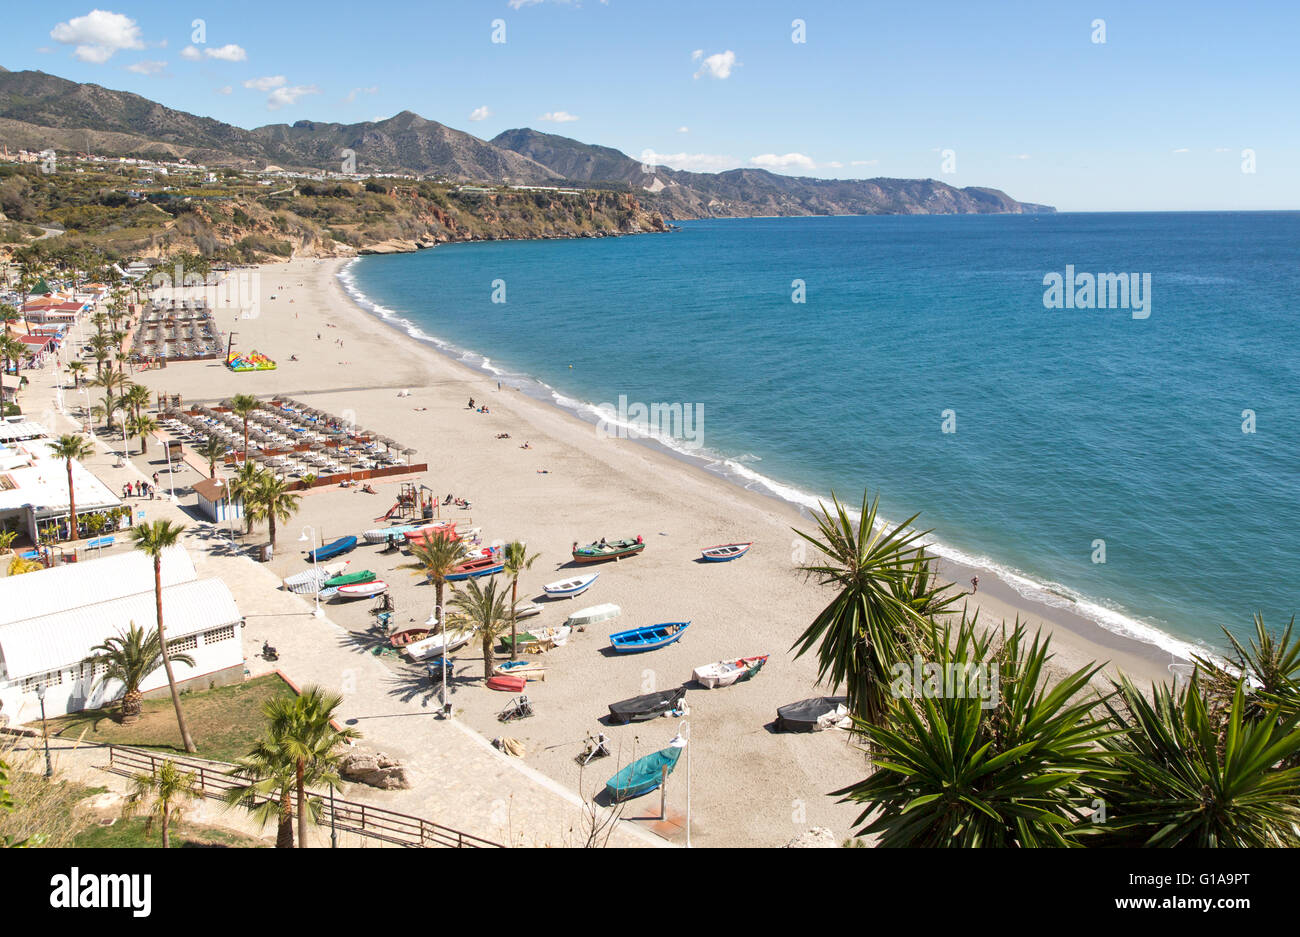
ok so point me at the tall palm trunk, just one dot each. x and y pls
(302, 809)
(166, 826)
(514, 596)
(284, 829)
(245, 439)
(72, 505)
(270, 521)
(167, 660)
(488, 657)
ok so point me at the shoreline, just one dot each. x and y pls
(1079, 616)
(749, 785)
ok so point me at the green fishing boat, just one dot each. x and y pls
(350, 579)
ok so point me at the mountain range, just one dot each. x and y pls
(40, 111)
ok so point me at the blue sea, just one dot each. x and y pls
(1067, 426)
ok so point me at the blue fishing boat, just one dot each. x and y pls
(648, 637)
(643, 775)
(332, 549)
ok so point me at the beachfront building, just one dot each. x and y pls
(51, 619)
(34, 485)
(214, 502)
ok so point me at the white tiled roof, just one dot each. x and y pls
(61, 588)
(40, 644)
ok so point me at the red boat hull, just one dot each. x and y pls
(507, 683)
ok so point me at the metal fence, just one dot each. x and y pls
(214, 779)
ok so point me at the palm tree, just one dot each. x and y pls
(140, 427)
(76, 369)
(130, 658)
(871, 623)
(169, 789)
(211, 449)
(980, 752)
(1271, 664)
(1178, 782)
(272, 500)
(10, 350)
(153, 540)
(271, 774)
(20, 564)
(244, 405)
(71, 448)
(137, 397)
(515, 561)
(436, 559)
(303, 727)
(105, 409)
(486, 614)
(243, 488)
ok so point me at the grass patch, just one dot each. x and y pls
(224, 721)
(130, 834)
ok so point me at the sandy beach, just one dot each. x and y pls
(748, 785)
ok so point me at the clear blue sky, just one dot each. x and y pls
(1156, 118)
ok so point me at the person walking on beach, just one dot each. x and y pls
(974, 584)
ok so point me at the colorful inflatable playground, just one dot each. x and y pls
(252, 361)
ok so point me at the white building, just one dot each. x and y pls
(34, 484)
(51, 619)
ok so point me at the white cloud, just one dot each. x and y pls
(518, 4)
(352, 95)
(146, 67)
(558, 117)
(282, 97)
(782, 163)
(1222, 149)
(718, 65)
(1021, 156)
(835, 164)
(227, 53)
(226, 90)
(191, 53)
(1181, 149)
(695, 162)
(683, 129)
(697, 55)
(98, 35)
(480, 113)
(266, 84)
(864, 162)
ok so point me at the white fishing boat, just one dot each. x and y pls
(362, 590)
(527, 610)
(726, 672)
(437, 644)
(568, 588)
(310, 580)
(592, 615)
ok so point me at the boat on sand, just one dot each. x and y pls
(608, 550)
(641, 708)
(568, 588)
(648, 637)
(593, 615)
(332, 549)
(643, 775)
(726, 672)
(435, 645)
(726, 552)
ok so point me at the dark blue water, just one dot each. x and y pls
(1072, 426)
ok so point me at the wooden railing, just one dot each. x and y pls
(214, 779)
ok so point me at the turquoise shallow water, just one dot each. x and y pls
(1072, 425)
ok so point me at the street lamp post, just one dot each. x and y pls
(314, 564)
(45, 733)
(682, 741)
(334, 836)
(434, 620)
